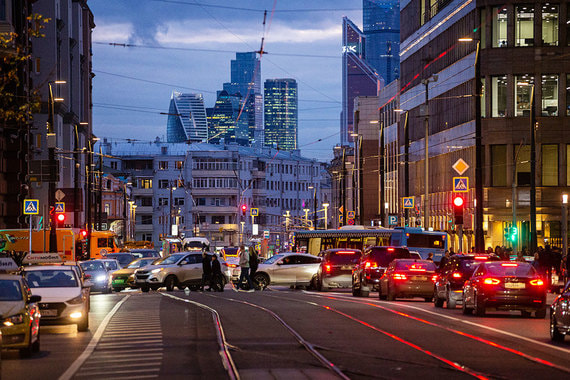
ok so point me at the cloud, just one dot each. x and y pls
(114, 32)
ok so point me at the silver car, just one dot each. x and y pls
(288, 268)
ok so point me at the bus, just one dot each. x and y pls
(358, 237)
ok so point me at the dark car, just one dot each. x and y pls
(408, 278)
(335, 270)
(140, 253)
(371, 267)
(124, 258)
(505, 285)
(560, 315)
(451, 277)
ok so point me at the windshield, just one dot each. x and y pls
(140, 263)
(51, 278)
(144, 253)
(425, 241)
(384, 256)
(111, 265)
(511, 269)
(468, 266)
(92, 266)
(414, 266)
(231, 251)
(10, 290)
(172, 259)
(123, 259)
(273, 259)
(344, 257)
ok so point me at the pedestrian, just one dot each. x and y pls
(430, 256)
(217, 281)
(244, 265)
(253, 263)
(444, 259)
(490, 250)
(520, 257)
(206, 271)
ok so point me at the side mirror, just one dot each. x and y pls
(34, 299)
(87, 276)
(279, 263)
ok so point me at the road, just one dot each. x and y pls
(293, 334)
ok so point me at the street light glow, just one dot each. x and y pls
(58, 99)
(325, 205)
(465, 39)
(565, 198)
(59, 82)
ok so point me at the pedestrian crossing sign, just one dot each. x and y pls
(59, 207)
(460, 184)
(254, 212)
(351, 214)
(31, 206)
(408, 202)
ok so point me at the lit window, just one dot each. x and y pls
(498, 96)
(499, 27)
(549, 164)
(550, 25)
(524, 25)
(523, 89)
(549, 95)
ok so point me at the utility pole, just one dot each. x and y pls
(76, 176)
(407, 166)
(382, 174)
(89, 190)
(433, 78)
(100, 192)
(479, 238)
(565, 225)
(533, 242)
(344, 208)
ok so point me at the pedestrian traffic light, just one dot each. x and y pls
(243, 209)
(60, 219)
(513, 232)
(458, 205)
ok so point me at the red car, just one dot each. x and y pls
(505, 285)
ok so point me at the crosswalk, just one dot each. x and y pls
(131, 346)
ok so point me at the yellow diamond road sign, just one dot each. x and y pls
(460, 166)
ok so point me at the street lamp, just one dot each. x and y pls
(306, 210)
(565, 226)
(51, 143)
(326, 205)
(426, 82)
(314, 206)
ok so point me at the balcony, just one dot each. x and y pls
(144, 227)
(138, 191)
(144, 210)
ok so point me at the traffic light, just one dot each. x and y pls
(243, 209)
(83, 233)
(513, 232)
(60, 219)
(458, 205)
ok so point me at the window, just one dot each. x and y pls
(483, 106)
(498, 165)
(114, 165)
(218, 219)
(499, 27)
(568, 92)
(145, 183)
(483, 35)
(162, 165)
(549, 165)
(146, 237)
(179, 165)
(524, 25)
(162, 183)
(550, 25)
(163, 201)
(523, 89)
(178, 201)
(200, 219)
(146, 202)
(498, 96)
(549, 95)
(200, 201)
(523, 166)
(107, 209)
(146, 219)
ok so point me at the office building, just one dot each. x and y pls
(281, 114)
(225, 122)
(187, 121)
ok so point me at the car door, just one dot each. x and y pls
(307, 268)
(194, 268)
(283, 272)
(444, 277)
(562, 315)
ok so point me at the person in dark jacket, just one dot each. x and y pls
(253, 265)
(217, 280)
(206, 271)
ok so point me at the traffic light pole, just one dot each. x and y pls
(51, 159)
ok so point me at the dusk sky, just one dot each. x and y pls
(171, 33)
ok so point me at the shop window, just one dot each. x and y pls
(523, 90)
(524, 25)
(499, 165)
(499, 27)
(498, 96)
(550, 25)
(549, 95)
(549, 165)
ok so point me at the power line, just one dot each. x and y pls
(153, 82)
(298, 10)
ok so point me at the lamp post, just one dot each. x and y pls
(426, 82)
(306, 211)
(134, 221)
(565, 225)
(360, 180)
(171, 211)
(406, 163)
(326, 206)
(51, 143)
(314, 206)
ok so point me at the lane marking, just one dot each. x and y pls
(107, 373)
(93, 343)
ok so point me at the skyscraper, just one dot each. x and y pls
(281, 116)
(246, 80)
(358, 77)
(187, 118)
(381, 26)
(223, 120)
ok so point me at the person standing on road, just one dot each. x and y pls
(244, 265)
(217, 281)
(206, 271)
(253, 262)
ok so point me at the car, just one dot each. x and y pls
(288, 268)
(415, 255)
(560, 315)
(231, 256)
(183, 269)
(65, 299)
(111, 264)
(125, 278)
(335, 270)
(451, 277)
(98, 277)
(371, 267)
(408, 278)
(123, 258)
(19, 315)
(505, 285)
(144, 252)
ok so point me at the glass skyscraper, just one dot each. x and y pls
(281, 114)
(246, 80)
(223, 120)
(187, 120)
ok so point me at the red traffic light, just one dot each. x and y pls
(83, 233)
(60, 217)
(243, 208)
(458, 201)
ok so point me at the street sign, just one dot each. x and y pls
(460, 166)
(392, 220)
(31, 206)
(59, 207)
(460, 184)
(341, 209)
(42, 258)
(254, 212)
(59, 195)
(351, 214)
(351, 222)
(408, 202)
(255, 229)
(266, 234)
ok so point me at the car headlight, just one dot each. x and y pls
(101, 278)
(76, 301)
(157, 270)
(13, 320)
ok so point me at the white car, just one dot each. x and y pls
(65, 299)
(288, 268)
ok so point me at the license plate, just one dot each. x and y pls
(118, 281)
(48, 313)
(514, 285)
(419, 278)
(346, 267)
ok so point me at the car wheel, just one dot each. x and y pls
(355, 292)
(555, 334)
(145, 289)
(262, 279)
(321, 287)
(83, 325)
(437, 302)
(36, 344)
(540, 314)
(451, 304)
(381, 296)
(169, 283)
(391, 295)
(466, 310)
(479, 307)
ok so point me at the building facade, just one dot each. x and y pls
(281, 113)
(187, 121)
(225, 122)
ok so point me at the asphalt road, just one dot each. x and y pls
(290, 334)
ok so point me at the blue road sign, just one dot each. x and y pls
(408, 202)
(392, 220)
(460, 184)
(254, 212)
(351, 214)
(31, 206)
(59, 207)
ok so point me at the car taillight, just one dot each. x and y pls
(370, 264)
(327, 268)
(481, 258)
(509, 265)
(230, 265)
(491, 281)
(537, 282)
(399, 276)
(434, 278)
(456, 275)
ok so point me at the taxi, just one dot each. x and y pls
(19, 315)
